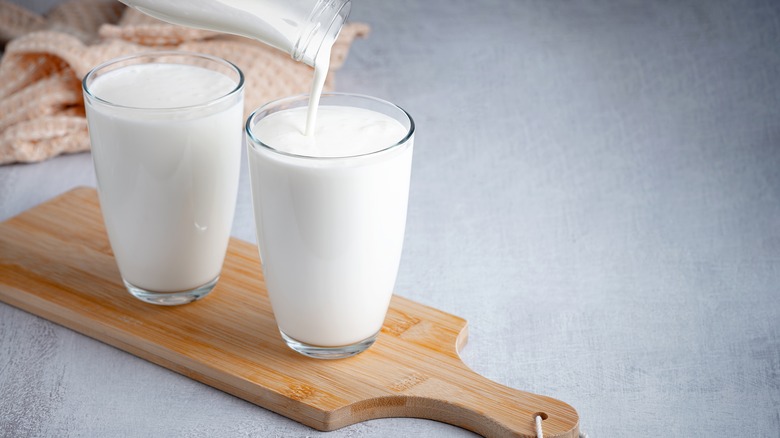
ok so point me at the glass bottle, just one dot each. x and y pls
(297, 27)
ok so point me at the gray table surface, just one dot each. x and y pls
(596, 189)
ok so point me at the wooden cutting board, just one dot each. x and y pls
(56, 262)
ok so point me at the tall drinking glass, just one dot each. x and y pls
(166, 133)
(330, 227)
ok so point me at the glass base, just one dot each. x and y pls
(171, 298)
(319, 352)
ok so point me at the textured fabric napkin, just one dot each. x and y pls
(41, 105)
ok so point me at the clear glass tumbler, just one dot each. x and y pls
(330, 231)
(166, 133)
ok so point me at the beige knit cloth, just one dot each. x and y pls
(41, 105)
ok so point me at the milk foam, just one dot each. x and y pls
(161, 86)
(341, 131)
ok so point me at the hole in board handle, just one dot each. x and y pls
(540, 414)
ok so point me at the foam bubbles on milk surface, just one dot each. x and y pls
(340, 132)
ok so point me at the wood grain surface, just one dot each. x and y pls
(55, 262)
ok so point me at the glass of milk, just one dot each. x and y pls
(330, 211)
(166, 133)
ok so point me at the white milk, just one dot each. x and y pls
(330, 230)
(167, 178)
(275, 22)
(321, 67)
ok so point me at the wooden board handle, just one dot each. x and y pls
(490, 409)
(472, 402)
(441, 387)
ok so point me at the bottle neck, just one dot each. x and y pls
(323, 26)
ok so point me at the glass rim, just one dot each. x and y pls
(254, 141)
(182, 53)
